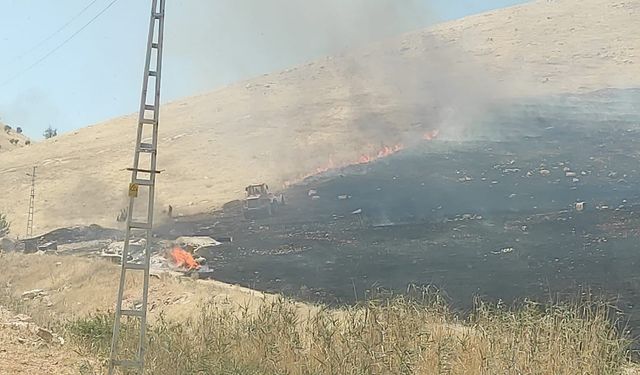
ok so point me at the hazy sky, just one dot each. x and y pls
(208, 43)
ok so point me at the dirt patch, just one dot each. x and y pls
(26, 348)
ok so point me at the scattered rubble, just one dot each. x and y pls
(196, 244)
(114, 250)
(29, 332)
(53, 245)
(32, 294)
(84, 247)
(505, 250)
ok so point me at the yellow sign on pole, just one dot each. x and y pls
(133, 190)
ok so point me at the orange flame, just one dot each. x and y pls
(183, 259)
(431, 135)
(363, 159)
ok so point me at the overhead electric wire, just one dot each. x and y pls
(45, 40)
(56, 48)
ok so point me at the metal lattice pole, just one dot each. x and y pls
(32, 198)
(143, 176)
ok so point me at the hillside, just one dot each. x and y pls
(283, 125)
(10, 139)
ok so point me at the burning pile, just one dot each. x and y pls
(183, 259)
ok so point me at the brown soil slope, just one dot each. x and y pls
(283, 125)
(8, 138)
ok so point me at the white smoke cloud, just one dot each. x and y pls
(255, 37)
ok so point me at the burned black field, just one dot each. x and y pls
(493, 217)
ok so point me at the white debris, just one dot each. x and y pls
(31, 294)
(115, 258)
(196, 243)
(505, 250)
(22, 318)
(118, 246)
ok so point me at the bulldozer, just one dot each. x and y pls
(260, 202)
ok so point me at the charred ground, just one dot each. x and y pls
(492, 217)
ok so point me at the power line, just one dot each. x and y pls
(45, 40)
(4, 83)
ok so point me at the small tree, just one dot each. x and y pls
(5, 225)
(50, 132)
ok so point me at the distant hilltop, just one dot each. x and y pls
(12, 138)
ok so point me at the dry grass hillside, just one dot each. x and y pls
(285, 124)
(10, 139)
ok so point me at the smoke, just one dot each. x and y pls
(387, 84)
(385, 94)
(23, 113)
(414, 84)
(229, 40)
